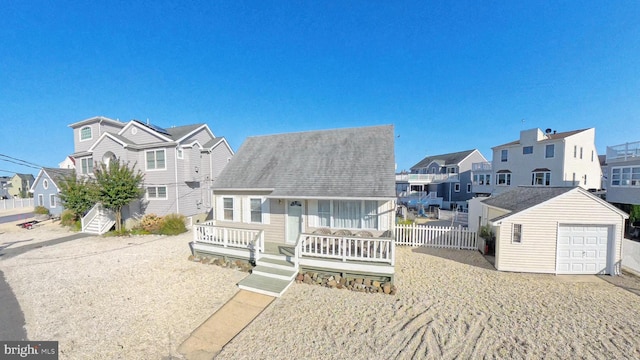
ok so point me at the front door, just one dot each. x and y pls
(294, 221)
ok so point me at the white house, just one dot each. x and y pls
(556, 230)
(540, 158)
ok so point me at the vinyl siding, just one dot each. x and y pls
(274, 231)
(96, 131)
(584, 166)
(39, 189)
(537, 252)
(219, 159)
(201, 136)
(143, 135)
(622, 194)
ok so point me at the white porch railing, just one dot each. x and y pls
(347, 248)
(98, 220)
(427, 178)
(230, 237)
(623, 152)
(456, 216)
(437, 236)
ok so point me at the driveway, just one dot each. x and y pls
(11, 315)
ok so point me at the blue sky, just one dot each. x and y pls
(450, 75)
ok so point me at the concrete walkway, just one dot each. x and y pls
(209, 338)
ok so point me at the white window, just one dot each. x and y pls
(45, 184)
(504, 155)
(527, 150)
(256, 210)
(156, 192)
(549, 151)
(541, 178)
(87, 166)
(370, 215)
(52, 200)
(503, 179)
(85, 133)
(180, 153)
(347, 214)
(468, 188)
(456, 187)
(227, 204)
(324, 212)
(517, 233)
(155, 160)
(625, 176)
(40, 200)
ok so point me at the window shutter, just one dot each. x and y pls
(246, 209)
(266, 206)
(384, 211)
(313, 213)
(219, 208)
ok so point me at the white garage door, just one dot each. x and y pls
(582, 249)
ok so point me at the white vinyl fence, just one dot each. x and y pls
(456, 216)
(631, 255)
(437, 236)
(16, 203)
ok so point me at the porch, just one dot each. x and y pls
(277, 264)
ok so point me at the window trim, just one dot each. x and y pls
(157, 197)
(507, 179)
(468, 188)
(553, 151)
(524, 148)
(516, 233)
(90, 133)
(251, 210)
(155, 160)
(224, 208)
(180, 153)
(456, 187)
(45, 184)
(625, 181)
(504, 155)
(546, 178)
(40, 200)
(52, 200)
(86, 166)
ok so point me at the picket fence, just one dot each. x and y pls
(437, 236)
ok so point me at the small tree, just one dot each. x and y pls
(634, 214)
(77, 195)
(117, 186)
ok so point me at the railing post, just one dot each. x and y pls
(225, 235)
(344, 248)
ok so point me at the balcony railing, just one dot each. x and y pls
(623, 152)
(427, 178)
(482, 166)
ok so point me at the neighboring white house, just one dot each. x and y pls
(67, 163)
(622, 166)
(556, 230)
(540, 158)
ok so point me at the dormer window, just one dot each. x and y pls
(85, 133)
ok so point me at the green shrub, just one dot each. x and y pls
(404, 222)
(151, 223)
(67, 218)
(76, 226)
(173, 224)
(41, 210)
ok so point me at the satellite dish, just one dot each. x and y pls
(548, 131)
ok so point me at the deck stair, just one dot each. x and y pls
(275, 271)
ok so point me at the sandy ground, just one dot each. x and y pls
(139, 298)
(113, 298)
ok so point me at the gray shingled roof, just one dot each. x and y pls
(524, 197)
(179, 132)
(349, 163)
(56, 174)
(443, 159)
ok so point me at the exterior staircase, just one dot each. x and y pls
(98, 220)
(275, 271)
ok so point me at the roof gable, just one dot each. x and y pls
(55, 175)
(443, 159)
(549, 137)
(524, 198)
(340, 163)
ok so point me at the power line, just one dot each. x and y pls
(20, 162)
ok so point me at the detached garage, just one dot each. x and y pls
(556, 230)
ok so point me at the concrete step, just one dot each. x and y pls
(279, 263)
(264, 285)
(275, 273)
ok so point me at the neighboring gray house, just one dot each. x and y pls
(556, 230)
(179, 163)
(622, 173)
(442, 180)
(46, 188)
(317, 199)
